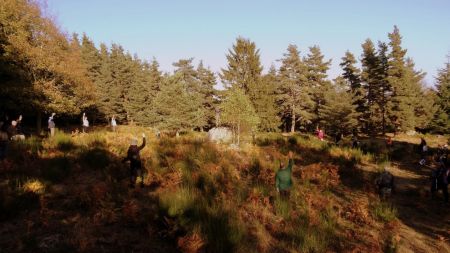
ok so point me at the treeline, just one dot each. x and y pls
(43, 70)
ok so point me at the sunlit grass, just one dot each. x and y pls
(384, 211)
(34, 186)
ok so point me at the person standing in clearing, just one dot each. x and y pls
(135, 161)
(283, 177)
(320, 134)
(423, 150)
(51, 125)
(113, 123)
(85, 122)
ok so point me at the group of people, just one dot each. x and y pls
(440, 176)
(84, 124)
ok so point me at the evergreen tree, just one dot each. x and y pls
(441, 120)
(91, 58)
(294, 90)
(237, 111)
(207, 81)
(338, 112)
(139, 93)
(353, 76)
(402, 103)
(244, 72)
(193, 87)
(123, 74)
(176, 108)
(244, 67)
(383, 94)
(269, 121)
(155, 76)
(370, 77)
(316, 75)
(422, 111)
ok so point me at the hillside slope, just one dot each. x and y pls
(71, 194)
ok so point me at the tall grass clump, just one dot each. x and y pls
(22, 149)
(282, 207)
(177, 202)
(223, 230)
(63, 142)
(383, 211)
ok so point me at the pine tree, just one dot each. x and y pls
(139, 93)
(244, 72)
(268, 114)
(123, 74)
(294, 90)
(370, 77)
(207, 81)
(441, 120)
(316, 75)
(237, 111)
(244, 67)
(353, 76)
(383, 95)
(155, 76)
(176, 108)
(193, 87)
(91, 58)
(403, 97)
(338, 112)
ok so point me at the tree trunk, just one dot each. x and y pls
(293, 119)
(238, 133)
(39, 122)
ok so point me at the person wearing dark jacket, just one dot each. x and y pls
(135, 161)
(283, 178)
(385, 184)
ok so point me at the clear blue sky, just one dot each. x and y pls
(173, 29)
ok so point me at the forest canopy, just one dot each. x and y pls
(44, 70)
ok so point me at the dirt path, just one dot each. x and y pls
(424, 223)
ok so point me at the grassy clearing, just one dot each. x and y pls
(206, 198)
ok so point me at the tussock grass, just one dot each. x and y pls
(383, 211)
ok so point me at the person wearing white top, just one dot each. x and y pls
(51, 125)
(113, 123)
(85, 123)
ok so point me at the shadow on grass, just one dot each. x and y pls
(85, 205)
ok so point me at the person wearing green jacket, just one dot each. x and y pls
(283, 177)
